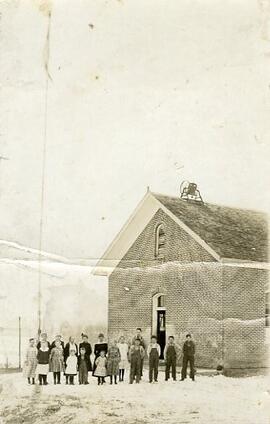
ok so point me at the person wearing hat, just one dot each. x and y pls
(188, 357)
(43, 339)
(101, 346)
(171, 354)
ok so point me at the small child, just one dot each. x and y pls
(123, 348)
(136, 355)
(30, 363)
(113, 362)
(153, 352)
(43, 357)
(71, 366)
(101, 367)
(171, 353)
(57, 361)
(83, 366)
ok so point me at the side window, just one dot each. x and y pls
(160, 241)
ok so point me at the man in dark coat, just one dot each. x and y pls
(188, 357)
(88, 350)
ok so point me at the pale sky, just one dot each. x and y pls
(143, 93)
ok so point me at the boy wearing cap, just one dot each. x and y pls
(171, 353)
(188, 357)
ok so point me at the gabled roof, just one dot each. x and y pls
(230, 232)
(225, 232)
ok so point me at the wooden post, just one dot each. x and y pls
(20, 344)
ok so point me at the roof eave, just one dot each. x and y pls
(102, 267)
(245, 263)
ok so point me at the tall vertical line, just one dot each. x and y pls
(44, 154)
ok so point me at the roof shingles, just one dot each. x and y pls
(230, 232)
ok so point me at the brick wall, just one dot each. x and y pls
(179, 245)
(199, 292)
(244, 311)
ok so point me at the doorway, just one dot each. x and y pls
(159, 321)
(161, 330)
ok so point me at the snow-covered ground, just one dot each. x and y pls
(208, 400)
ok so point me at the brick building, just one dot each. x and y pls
(179, 266)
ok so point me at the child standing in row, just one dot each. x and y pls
(30, 363)
(153, 352)
(123, 348)
(170, 355)
(139, 337)
(43, 356)
(113, 362)
(136, 355)
(83, 366)
(101, 367)
(71, 367)
(188, 356)
(100, 346)
(88, 350)
(57, 361)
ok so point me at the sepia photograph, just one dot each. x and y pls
(134, 210)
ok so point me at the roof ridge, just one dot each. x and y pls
(212, 204)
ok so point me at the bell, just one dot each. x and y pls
(189, 191)
(192, 188)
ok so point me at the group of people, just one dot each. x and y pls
(109, 361)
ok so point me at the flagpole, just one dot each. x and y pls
(20, 345)
(46, 63)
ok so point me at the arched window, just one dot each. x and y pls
(160, 241)
(161, 301)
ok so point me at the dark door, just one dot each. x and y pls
(161, 330)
